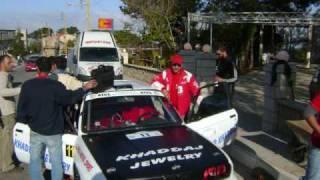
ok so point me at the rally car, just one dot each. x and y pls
(131, 131)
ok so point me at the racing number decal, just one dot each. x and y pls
(70, 150)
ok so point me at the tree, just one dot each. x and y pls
(70, 30)
(161, 17)
(17, 46)
(41, 32)
(35, 47)
(70, 44)
(240, 38)
(126, 38)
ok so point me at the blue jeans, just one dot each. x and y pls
(313, 168)
(38, 143)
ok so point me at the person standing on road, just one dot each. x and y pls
(41, 107)
(59, 66)
(179, 85)
(8, 110)
(226, 72)
(312, 116)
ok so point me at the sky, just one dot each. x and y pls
(33, 14)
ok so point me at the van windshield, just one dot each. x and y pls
(98, 54)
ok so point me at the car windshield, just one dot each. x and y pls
(33, 58)
(127, 112)
(99, 54)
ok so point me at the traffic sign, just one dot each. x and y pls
(105, 23)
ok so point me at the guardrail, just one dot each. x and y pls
(141, 73)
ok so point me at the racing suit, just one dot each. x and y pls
(181, 88)
(312, 170)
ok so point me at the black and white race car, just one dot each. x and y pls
(132, 132)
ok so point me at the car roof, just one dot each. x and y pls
(135, 85)
(127, 88)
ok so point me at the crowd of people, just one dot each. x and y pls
(43, 101)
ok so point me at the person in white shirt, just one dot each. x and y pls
(8, 112)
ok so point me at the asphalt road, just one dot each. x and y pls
(22, 173)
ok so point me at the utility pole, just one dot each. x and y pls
(88, 13)
(65, 42)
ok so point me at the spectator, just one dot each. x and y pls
(206, 48)
(197, 47)
(312, 117)
(226, 73)
(7, 108)
(179, 85)
(281, 59)
(187, 47)
(59, 67)
(311, 114)
(41, 107)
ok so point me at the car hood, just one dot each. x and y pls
(153, 153)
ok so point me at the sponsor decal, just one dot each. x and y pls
(111, 170)
(97, 42)
(26, 148)
(143, 134)
(176, 167)
(185, 153)
(163, 160)
(84, 160)
(21, 145)
(221, 139)
(70, 150)
(123, 93)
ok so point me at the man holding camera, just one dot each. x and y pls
(41, 107)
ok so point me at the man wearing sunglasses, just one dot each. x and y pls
(179, 85)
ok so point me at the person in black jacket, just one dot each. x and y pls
(226, 72)
(41, 107)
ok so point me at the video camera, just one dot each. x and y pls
(104, 75)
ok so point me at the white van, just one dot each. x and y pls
(94, 48)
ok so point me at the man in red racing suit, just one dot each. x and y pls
(179, 85)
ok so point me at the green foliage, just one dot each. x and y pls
(35, 47)
(70, 30)
(41, 32)
(70, 44)
(160, 17)
(126, 39)
(17, 46)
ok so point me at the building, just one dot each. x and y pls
(6, 37)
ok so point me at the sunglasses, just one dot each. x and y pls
(179, 65)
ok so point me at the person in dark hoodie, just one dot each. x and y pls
(41, 107)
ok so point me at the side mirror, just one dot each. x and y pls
(74, 59)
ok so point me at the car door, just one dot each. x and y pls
(220, 129)
(21, 140)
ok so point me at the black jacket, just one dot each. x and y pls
(41, 105)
